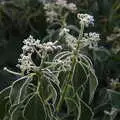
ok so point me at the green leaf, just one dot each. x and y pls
(21, 104)
(79, 76)
(56, 92)
(115, 98)
(50, 112)
(24, 90)
(62, 78)
(34, 109)
(73, 108)
(88, 89)
(4, 99)
(93, 83)
(16, 90)
(17, 114)
(85, 93)
(86, 112)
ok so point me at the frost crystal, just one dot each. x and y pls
(85, 19)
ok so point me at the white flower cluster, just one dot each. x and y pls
(91, 39)
(50, 47)
(25, 62)
(30, 46)
(51, 14)
(53, 9)
(88, 39)
(63, 31)
(71, 41)
(85, 19)
(29, 43)
(70, 6)
(61, 2)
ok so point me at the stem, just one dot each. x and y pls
(39, 89)
(12, 72)
(80, 36)
(43, 57)
(38, 86)
(64, 19)
(70, 76)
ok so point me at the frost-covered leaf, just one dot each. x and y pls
(57, 90)
(79, 76)
(86, 112)
(4, 100)
(73, 108)
(93, 83)
(16, 90)
(34, 109)
(17, 114)
(89, 88)
(24, 90)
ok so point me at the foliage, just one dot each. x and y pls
(66, 96)
(62, 98)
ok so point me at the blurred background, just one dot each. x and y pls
(21, 18)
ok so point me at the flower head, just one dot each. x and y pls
(72, 7)
(61, 2)
(31, 46)
(91, 39)
(85, 19)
